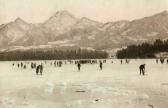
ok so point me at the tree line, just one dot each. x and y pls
(52, 54)
(145, 50)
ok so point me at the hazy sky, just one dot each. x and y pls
(35, 11)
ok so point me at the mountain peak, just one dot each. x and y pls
(19, 20)
(63, 14)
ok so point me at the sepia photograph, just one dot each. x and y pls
(83, 53)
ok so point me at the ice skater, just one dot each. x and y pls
(79, 66)
(37, 69)
(41, 69)
(121, 61)
(24, 66)
(21, 64)
(162, 60)
(142, 69)
(101, 65)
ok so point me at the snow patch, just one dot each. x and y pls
(125, 32)
(88, 48)
(76, 38)
(121, 25)
(152, 34)
(58, 42)
(64, 45)
(91, 37)
(131, 38)
(114, 41)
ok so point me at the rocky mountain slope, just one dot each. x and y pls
(65, 30)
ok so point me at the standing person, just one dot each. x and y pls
(32, 65)
(79, 66)
(142, 69)
(21, 65)
(162, 60)
(24, 66)
(101, 65)
(41, 69)
(121, 61)
(60, 63)
(157, 61)
(126, 61)
(37, 69)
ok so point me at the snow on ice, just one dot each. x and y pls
(116, 86)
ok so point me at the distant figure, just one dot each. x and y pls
(79, 66)
(60, 63)
(32, 66)
(24, 66)
(41, 69)
(167, 61)
(55, 63)
(127, 61)
(121, 61)
(101, 65)
(162, 60)
(157, 61)
(142, 69)
(21, 65)
(37, 69)
(18, 65)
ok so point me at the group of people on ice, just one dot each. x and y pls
(39, 68)
(20, 65)
(162, 60)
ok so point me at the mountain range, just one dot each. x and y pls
(64, 30)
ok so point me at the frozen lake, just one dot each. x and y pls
(116, 86)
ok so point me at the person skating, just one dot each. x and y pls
(37, 69)
(21, 64)
(24, 66)
(79, 66)
(142, 69)
(157, 61)
(41, 69)
(101, 65)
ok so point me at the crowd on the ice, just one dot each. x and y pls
(38, 67)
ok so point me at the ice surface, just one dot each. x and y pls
(116, 86)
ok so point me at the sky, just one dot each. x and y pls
(36, 11)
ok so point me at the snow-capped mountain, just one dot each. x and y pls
(65, 30)
(61, 22)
